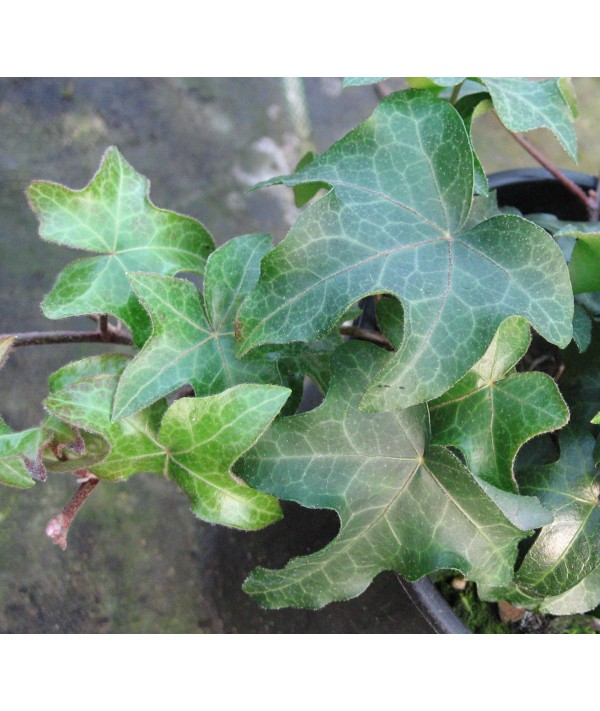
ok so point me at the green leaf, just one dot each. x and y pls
(493, 410)
(192, 338)
(582, 328)
(20, 462)
(523, 104)
(564, 560)
(361, 81)
(305, 193)
(19, 456)
(206, 436)
(82, 395)
(114, 218)
(580, 384)
(194, 442)
(470, 107)
(403, 506)
(584, 265)
(394, 222)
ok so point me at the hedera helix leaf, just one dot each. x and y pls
(402, 187)
(113, 217)
(195, 442)
(525, 104)
(403, 505)
(491, 412)
(192, 338)
(560, 571)
(20, 463)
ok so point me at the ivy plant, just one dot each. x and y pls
(433, 412)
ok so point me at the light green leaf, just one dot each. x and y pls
(206, 436)
(20, 461)
(493, 410)
(83, 395)
(305, 193)
(403, 506)
(394, 222)
(192, 338)
(560, 571)
(114, 218)
(361, 81)
(194, 442)
(584, 265)
(523, 104)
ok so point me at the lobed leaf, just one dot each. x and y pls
(195, 442)
(560, 573)
(403, 505)
(493, 410)
(114, 218)
(19, 451)
(192, 339)
(394, 222)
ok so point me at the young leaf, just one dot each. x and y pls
(402, 187)
(560, 571)
(403, 506)
(493, 411)
(194, 442)
(206, 436)
(82, 395)
(114, 218)
(584, 265)
(192, 338)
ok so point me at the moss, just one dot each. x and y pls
(482, 617)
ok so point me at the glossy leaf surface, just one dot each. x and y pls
(403, 505)
(560, 571)
(114, 218)
(192, 338)
(493, 410)
(394, 221)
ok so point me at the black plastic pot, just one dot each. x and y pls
(390, 605)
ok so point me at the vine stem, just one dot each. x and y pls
(363, 334)
(58, 526)
(590, 201)
(43, 338)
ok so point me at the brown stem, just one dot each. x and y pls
(103, 327)
(363, 334)
(40, 338)
(58, 527)
(558, 174)
(595, 196)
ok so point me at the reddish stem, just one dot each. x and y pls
(588, 201)
(58, 526)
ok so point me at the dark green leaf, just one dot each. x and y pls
(403, 505)
(561, 570)
(394, 222)
(493, 410)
